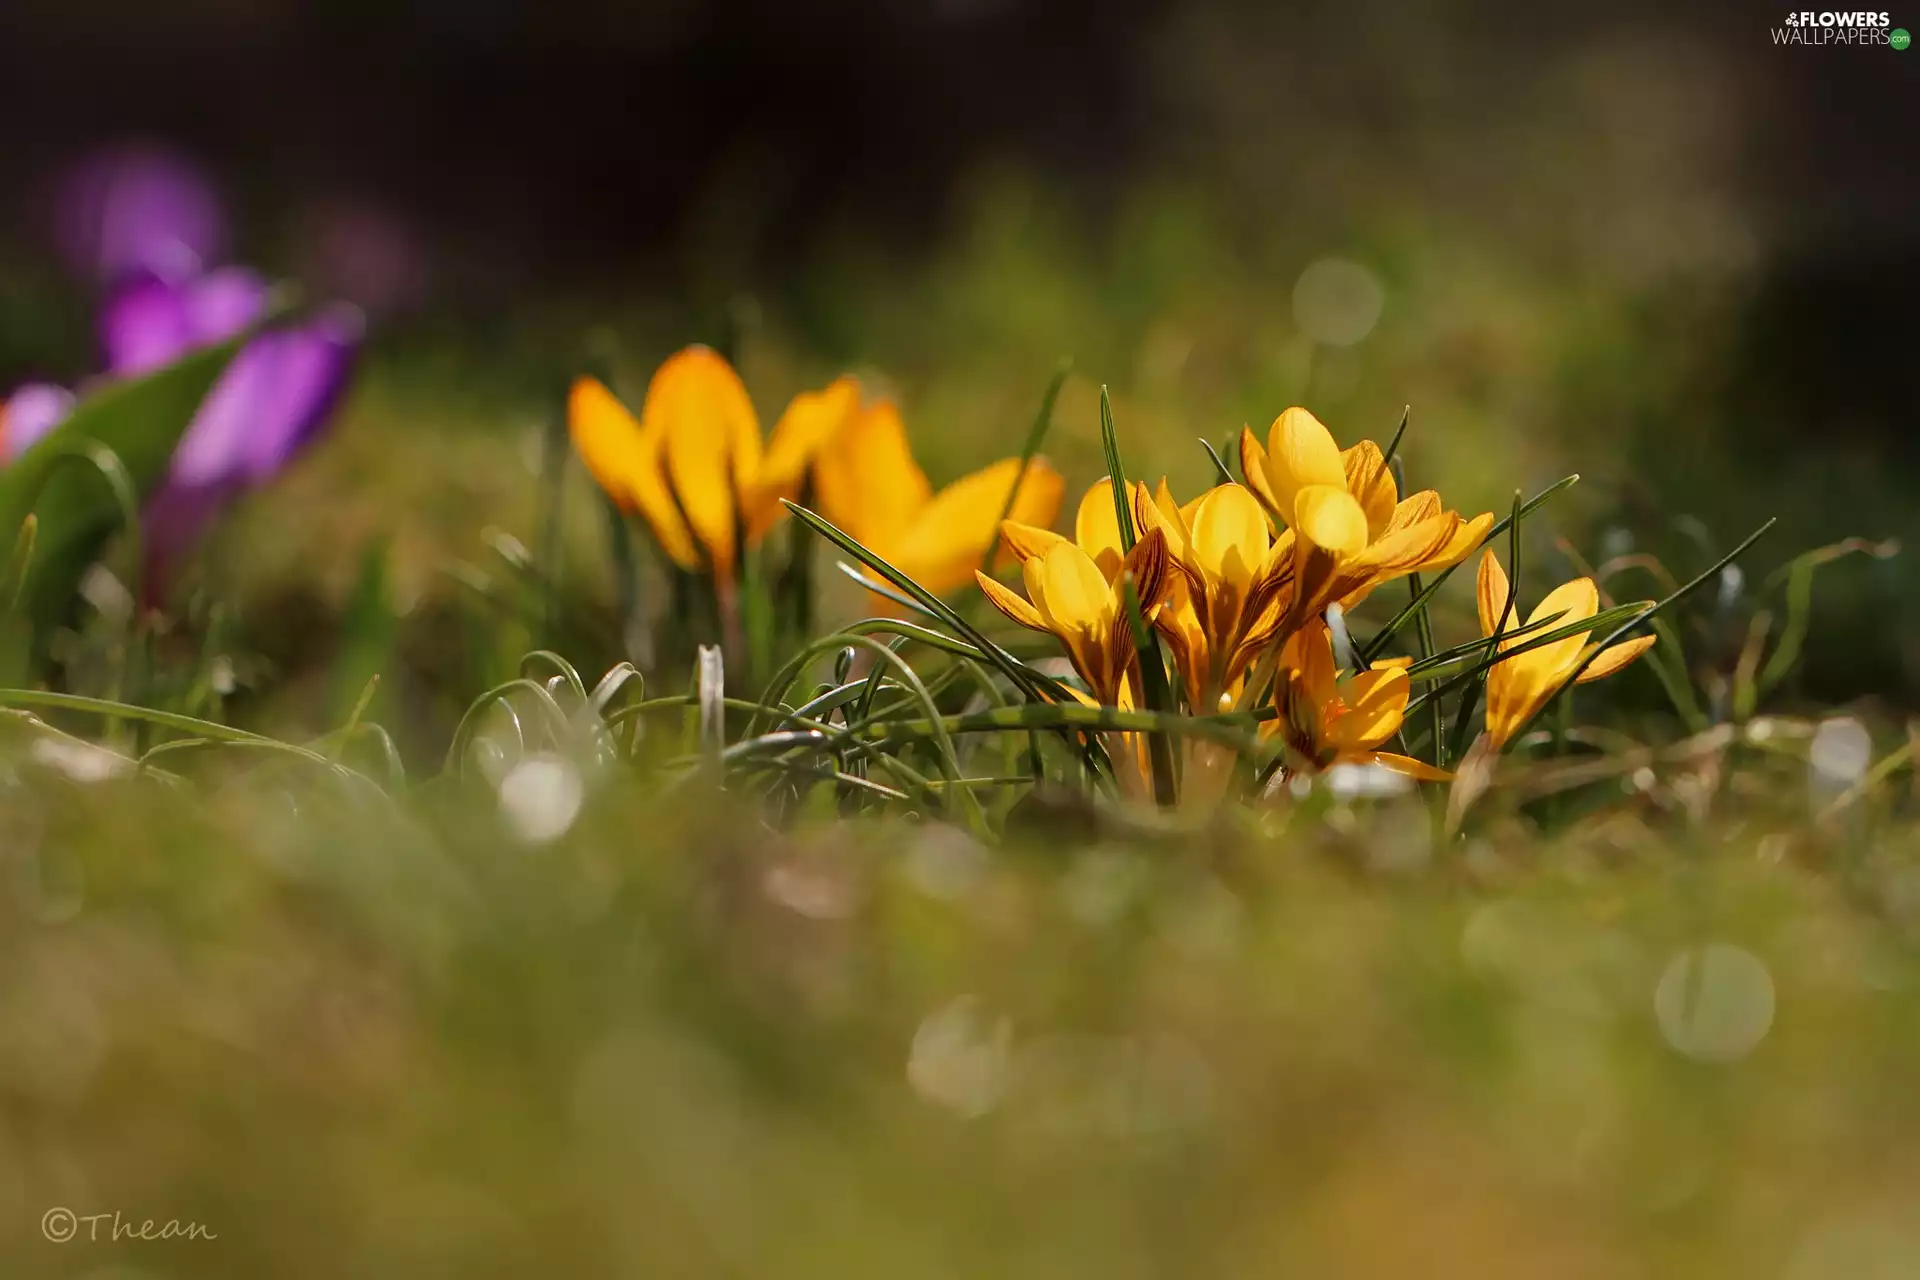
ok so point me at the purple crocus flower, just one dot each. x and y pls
(267, 404)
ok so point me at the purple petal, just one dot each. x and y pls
(149, 323)
(269, 402)
(139, 208)
(29, 413)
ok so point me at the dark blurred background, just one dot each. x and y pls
(1654, 246)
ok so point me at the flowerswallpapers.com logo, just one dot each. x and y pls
(1852, 28)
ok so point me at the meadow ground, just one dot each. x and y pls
(349, 1034)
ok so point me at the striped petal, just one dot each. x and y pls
(1253, 466)
(1490, 593)
(1010, 602)
(1159, 511)
(1370, 481)
(1309, 652)
(1027, 542)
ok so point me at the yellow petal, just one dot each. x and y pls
(1096, 527)
(1370, 481)
(1574, 601)
(1327, 517)
(1254, 466)
(1490, 593)
(625, 460)
(1466, 538)
(1033, 573)
(1403, 551)
(1374, 702)
(1179, 622)
(1309, 652)
(949, 537)
(1151, 569)
(1611, 660)
(1230, 536)
(1160, 511)
(1169, 506)
(1512, 698)
(1300, 719)
(1010, 603)
(1414, 509)
(1419, 770)
(698, 405)
(1075, 595)
(1569, 602)
(1271, 592)
(867, 482)
(1026, 542)
(812, 419)
(607, 438)
(1301, 453)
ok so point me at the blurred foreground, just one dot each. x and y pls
(460, 1037)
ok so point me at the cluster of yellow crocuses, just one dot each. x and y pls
(1244, 574)
(1238, 581)
(694, 466)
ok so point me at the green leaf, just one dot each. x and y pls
(67, 482)
(1116, 474)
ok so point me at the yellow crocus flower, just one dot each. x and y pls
(1352, 529)
(1517, 687)
(693, 464)
(1234, 590)
(867, 483)
(1073, 598)
(1327, 719)
(1203, 590)
(1096, 531)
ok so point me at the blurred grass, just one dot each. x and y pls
(395, 1041)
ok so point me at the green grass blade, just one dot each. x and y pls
(139, 421)
(1116, 474)
(1393, 446)
(928, 602)
(1222, 473)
